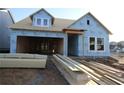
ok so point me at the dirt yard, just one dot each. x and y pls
(48, 76)
(119, 57)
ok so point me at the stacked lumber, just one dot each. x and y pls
(110, 74)
(96, 73)
(22, 61)
(71, 73)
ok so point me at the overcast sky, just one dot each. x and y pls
(109, 12)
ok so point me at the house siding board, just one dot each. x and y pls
(42, 15)
(80, 45)
(16, 33)
(94, 29)
(5, 21)
(65, 44)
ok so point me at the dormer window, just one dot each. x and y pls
(42, 18)
(42, 22)
(45, 22)
(38, 21)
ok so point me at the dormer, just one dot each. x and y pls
(42, 18)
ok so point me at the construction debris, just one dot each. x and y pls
(91, 71)
(74, 77)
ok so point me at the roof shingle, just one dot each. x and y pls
(58, 25)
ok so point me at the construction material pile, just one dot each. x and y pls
(91, 71)
(22, 60)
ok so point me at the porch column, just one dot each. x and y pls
(13, 41)
(80, 45)
(65, 52)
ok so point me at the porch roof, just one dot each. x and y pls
(73, 31)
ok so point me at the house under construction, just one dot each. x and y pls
(44, 34)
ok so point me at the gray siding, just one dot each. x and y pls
(5, 21)
(16, 33)
(94, 29)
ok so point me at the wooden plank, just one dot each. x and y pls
(67, 61)
(71, 67)
(114, 80)
(97, 74)
(98, 68)
(77, 64)
(108, 68)
(92, 82)
(72, 32)
(106, 80)
(74, 78)
(90, 72)
(101, 71)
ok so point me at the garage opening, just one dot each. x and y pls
(72, 45)
(39, 45)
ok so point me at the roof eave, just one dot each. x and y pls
(42, 9)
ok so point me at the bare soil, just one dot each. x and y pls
(23, 76)
(119, 57)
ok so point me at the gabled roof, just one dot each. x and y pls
(57, 25)
(11, 17)
(94, 18)
(42, 9)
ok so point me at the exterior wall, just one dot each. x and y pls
(16, 33)
(80, 45)
(95, 30)
(42, 15)
(5, 21)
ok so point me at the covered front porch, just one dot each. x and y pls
(75, 41)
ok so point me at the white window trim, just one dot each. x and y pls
(48, 21)
(89, 44)
(103, 45)
(42, 24)
(95, 44)
(37, 23)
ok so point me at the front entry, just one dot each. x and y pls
(73, 45)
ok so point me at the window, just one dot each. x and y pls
(41, 22)
(96, 44)
(45, 22)
(100, 44)
(92, 43)
(38, 21)
(88, 22)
